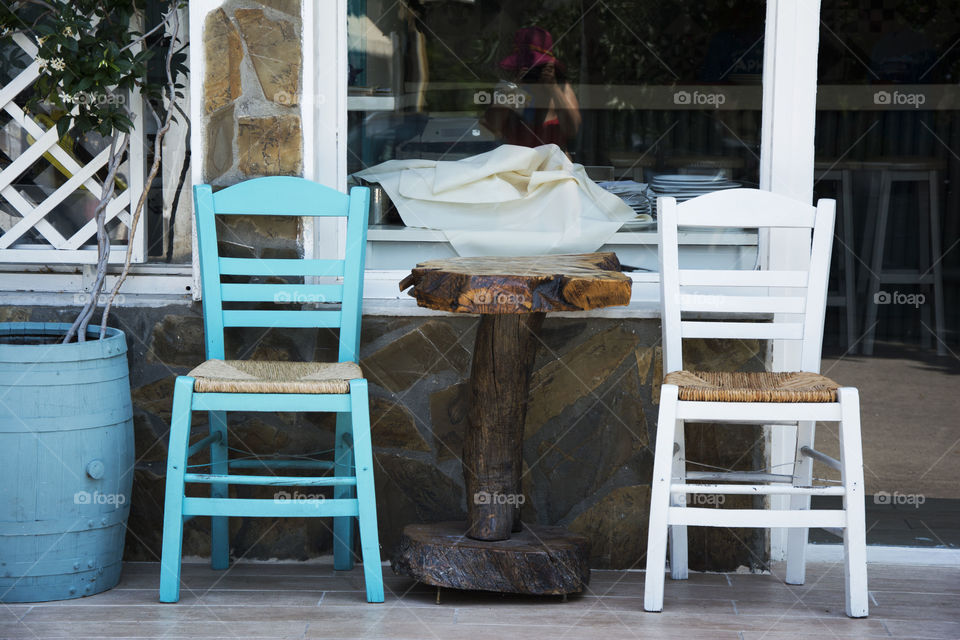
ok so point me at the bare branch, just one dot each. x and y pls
(79, 326)
(146, 35)
(174, 17)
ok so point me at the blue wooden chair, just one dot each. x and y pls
(219, 386)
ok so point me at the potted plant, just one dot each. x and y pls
(67, 441)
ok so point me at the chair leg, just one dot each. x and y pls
(219, 525)
(849, 270)
(802, 476)
(343, 525)
(366, 496)
(924, 262)
(937, 263)
(660, 500)
(869, 227)
(678, 533)
(876, 263)
(173, 502)
(854, 534)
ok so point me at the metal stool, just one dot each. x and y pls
(631, 165)
(841, 172)
(886, 172)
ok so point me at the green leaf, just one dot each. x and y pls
(63, 124)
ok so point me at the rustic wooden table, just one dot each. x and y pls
(512, 296)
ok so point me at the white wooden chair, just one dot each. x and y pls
(796, 301)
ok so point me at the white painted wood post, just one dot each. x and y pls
(325, 139)
(787, 153)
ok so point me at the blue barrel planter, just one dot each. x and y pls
(66, 462)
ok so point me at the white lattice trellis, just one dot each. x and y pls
(24, 212)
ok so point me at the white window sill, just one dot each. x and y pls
(61, 299)
(62, 285)
(727, 237)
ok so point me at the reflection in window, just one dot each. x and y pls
(631, 90)
(658, 86)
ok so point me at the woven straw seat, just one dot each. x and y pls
(258, 376)
(722, 386)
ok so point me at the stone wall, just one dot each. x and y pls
(588, 438)
(253, 57)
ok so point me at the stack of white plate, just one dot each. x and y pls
(684, 187)
(637, 196)
(634, 194)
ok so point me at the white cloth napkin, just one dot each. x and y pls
(509, 201)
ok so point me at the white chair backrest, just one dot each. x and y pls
(796, 299)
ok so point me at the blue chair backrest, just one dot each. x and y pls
(282, 196)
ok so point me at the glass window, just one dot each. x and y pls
(888, 147)
(649, 98)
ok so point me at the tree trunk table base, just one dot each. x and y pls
(494, 550)
(539, 560)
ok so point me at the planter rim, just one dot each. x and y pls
(114, 343)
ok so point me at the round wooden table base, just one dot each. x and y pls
(538, 560)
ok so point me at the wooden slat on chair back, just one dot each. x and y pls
(282, 196)
(795, 298)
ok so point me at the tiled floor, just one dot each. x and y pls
(312, 601)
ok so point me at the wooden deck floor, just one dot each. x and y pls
(252, 601)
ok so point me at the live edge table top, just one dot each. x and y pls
(508, 285)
